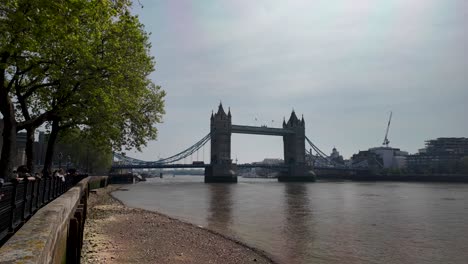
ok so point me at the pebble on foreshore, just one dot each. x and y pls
(118, 234)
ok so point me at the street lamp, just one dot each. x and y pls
(68, 161)
(60, 156)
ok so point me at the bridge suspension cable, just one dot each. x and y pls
(126, 159)
(179, 156)
(189, 151)
(328, 162)
(320, 154)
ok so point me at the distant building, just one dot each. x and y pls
(40, 147)
(336, 157)
(366, 159)
(64, 154)
(392, 158)
(447, 146)
(272, 161)
(380, 157)
(264, 172)
(319, 161)
(441, 155)
(20, 146)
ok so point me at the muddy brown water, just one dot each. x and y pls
(322, 222)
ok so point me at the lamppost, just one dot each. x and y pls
(60, 156)
(68, 161)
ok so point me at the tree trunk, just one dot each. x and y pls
(30, 149)
(8, 156)
(47, 171)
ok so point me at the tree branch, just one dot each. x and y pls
(37, 121)
(22, 101)
(10, 84)
(66, 97)
(34, 88)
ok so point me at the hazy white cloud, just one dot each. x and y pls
(343, 64)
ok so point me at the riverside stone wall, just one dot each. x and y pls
(54, 234)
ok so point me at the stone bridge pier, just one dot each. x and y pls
(221, 169)
(294, 152)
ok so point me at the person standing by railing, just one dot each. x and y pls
(23, 173)
(59, 173)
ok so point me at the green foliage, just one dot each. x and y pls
(82, 153)
(83, 62)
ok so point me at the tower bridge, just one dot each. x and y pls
(222, 169)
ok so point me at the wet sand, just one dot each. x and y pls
(115, 233)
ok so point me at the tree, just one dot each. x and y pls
(123, 110)
(76, 64)
(81, 152)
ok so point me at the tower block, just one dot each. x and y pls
(221, 168)
(294, 152)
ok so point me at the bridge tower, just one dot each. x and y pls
(294, 151)
(221, 168)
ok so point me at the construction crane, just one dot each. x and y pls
(386, 141)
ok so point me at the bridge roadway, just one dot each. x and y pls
(269, 131)
(150, 165)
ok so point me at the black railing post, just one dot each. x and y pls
(6, 203)
(64, 184)
(46, 186)
(46, 190)
(67, 182)
(13, 205)
(59, 186)
(34, 196)
(40, 192)
(27, 198)
(53, 188)
(19, 203)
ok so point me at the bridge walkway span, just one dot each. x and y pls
(269, 131)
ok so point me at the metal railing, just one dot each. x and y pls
(20, 199)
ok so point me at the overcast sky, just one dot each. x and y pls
(343, 64)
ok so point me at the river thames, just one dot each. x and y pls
(322, 222)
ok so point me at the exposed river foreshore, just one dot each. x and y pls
(115, 233)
